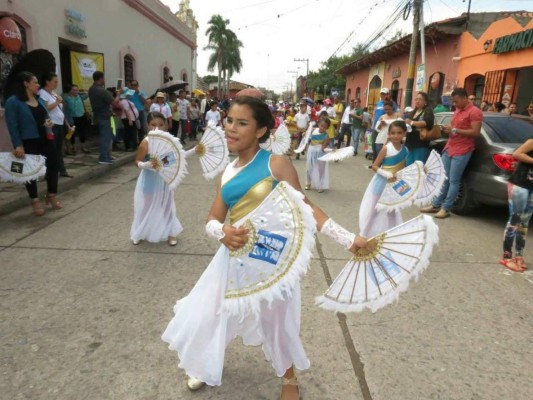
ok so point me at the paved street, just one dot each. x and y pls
(82, 309)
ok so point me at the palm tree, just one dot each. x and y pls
(216, 34)
(231, 61)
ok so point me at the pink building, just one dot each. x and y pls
(387, 67)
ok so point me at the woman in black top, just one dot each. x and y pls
(33, 137)
(423, 117)
(520, 191)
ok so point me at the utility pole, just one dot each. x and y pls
(295, 77)
(306, 61)
(412, 54)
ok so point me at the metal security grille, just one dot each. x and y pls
(494, 81)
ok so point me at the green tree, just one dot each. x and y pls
(216, 35)
(210, 79)
(327, 73)
(231, 61)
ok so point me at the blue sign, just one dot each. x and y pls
(268, 247)
(401, 187)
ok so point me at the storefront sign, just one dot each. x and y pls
(75, 24)
(516, 41)
(83, 65)
(10, 37)
(396, 73)
(420, 78)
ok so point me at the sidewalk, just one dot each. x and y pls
(83, 166)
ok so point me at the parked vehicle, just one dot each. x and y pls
(486, 175)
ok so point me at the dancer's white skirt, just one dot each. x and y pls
(371, 221)
(317, 171)
(154, 215)
(200, 330)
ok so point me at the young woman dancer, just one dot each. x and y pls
(202, 327)
(154, 217)
(317, 171)
(390, 159)
(520, 190)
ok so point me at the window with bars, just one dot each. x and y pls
(493, 86)
(129, 68)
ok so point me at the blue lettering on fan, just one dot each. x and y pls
(390, 266)
(268, 247)
(401, 187)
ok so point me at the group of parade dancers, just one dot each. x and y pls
(201, 336)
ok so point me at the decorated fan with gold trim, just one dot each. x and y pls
(278, 251)
(435, 175)
(374, 279)
(213, 152)
(305, 139)
(401, 191)
(21, 170)
(168, 157)
(337, 154)
(279, 141)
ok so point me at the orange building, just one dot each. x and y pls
(497, 64)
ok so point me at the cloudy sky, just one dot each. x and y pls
(275, 32)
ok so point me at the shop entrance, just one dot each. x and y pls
(65, 47)
(373, 92)
(524, 88)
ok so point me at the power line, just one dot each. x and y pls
(357, 26)
(278, 16)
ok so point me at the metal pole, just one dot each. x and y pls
(412, 55)
(423, 43)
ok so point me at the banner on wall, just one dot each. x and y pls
(421, 78)
(83, 65)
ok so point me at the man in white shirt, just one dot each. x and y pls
(212, 116)
(161, 106)
(302, 120)
(183, 105)
(346, 126)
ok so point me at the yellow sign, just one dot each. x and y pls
(83, 65)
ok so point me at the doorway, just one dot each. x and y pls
(373, 92)
(65, 47)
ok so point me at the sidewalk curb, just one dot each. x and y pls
(94, 171)
(66, 184)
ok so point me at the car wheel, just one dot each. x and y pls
(464, 203)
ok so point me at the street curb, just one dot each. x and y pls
(66, 184)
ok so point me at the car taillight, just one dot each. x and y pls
(504, 161)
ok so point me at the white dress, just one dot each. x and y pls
(317, 171)
(372, 221)
(154, 215)
(202, 328)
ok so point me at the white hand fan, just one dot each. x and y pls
(167, 154)
(305, 139)
(375, 279)
(21, 170)
(433, 181)
(213, 151)
(278, 142)
(278, 251)
(402, 191)
(337, 154)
